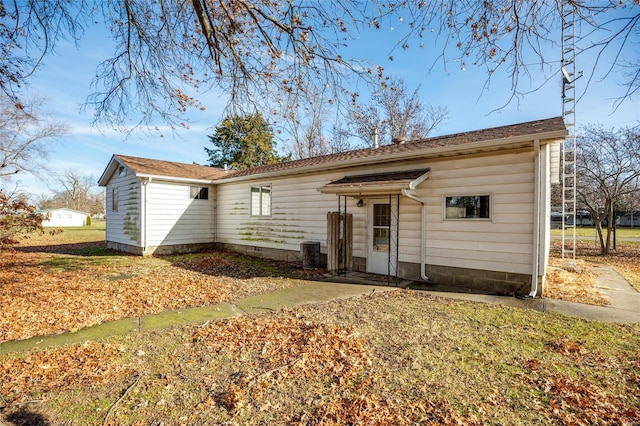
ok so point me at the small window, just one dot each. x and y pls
(199, 192)
(69, 216)
(122, 171)
(261, 200)
(467, 207)
(114, 200)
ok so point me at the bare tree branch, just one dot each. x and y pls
(270, 55)
(608, 168)
(25, 137)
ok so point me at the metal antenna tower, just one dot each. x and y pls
(569, 147)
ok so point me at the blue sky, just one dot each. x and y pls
(65, 77)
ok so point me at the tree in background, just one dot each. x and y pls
(607, 169)
(76, 192)
(396, 113)
(17, 218)
(25, 137)
(311, 131)
(262, 53)
(242, 142)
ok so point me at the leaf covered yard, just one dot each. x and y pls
(401, 357)
(394, 358)
(48, 293)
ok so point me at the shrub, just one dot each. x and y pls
(88, 221)
(17, 218)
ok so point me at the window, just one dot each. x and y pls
(69, 216)
(122, 171)
(114, 200)
(261, 200)
(467, 207)
(199, 192)
(381, 222)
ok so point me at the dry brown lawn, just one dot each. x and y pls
(78, 285)
(389, 358)
(402, 357)
(574, 283)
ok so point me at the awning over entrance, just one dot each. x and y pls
(376, 184)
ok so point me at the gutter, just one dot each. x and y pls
(143, 215)
(536, 219)
(175, 179)
(423, 233)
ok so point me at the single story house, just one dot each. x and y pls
(61, 217)
(467, 209)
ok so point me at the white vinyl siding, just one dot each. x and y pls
(502, 244)
(174, 217)
(123, 224)
(280, 212)
(298, 212)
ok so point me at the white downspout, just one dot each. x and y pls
(143, 215)
(536, 218)
(423, 234)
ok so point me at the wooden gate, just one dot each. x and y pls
(339, 242)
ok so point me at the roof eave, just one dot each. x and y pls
(106, 174)
(175, 179)
(493, 144)
(359, 190)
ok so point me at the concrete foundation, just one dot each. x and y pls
(168, 249)
(489, 281)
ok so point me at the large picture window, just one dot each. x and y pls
(261, 200)
(468, 207)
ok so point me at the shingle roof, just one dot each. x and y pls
(495, 133)
(391, 182)
(376, 178)
(149, 167)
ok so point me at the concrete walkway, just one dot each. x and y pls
(625, 300)
(625, 307)
(314, 292)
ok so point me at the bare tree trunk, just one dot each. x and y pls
(604, 248)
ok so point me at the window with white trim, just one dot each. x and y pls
(468, 207)
(199, 192)
(261, 200)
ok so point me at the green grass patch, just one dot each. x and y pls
(80, 262)
(587, 232)
(397, 358)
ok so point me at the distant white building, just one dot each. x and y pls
(64, 217)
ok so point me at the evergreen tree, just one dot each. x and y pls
(242, 142)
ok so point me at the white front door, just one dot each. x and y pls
(379, 237)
